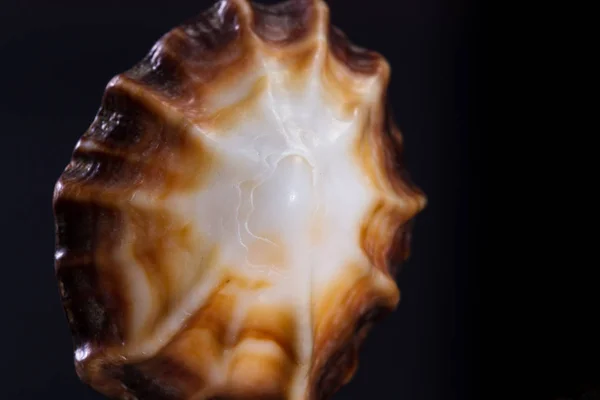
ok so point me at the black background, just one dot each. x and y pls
(56, 58)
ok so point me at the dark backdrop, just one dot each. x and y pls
(55, 60)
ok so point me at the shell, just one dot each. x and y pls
(229, 225)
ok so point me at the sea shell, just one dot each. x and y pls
(229, 225)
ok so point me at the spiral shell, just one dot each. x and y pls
(229, 224)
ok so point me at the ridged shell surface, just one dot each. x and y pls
(230, 223)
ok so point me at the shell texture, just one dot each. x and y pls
(229, 225)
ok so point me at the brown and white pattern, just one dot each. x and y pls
(229, 225)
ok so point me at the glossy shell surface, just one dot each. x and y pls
(230, 223)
